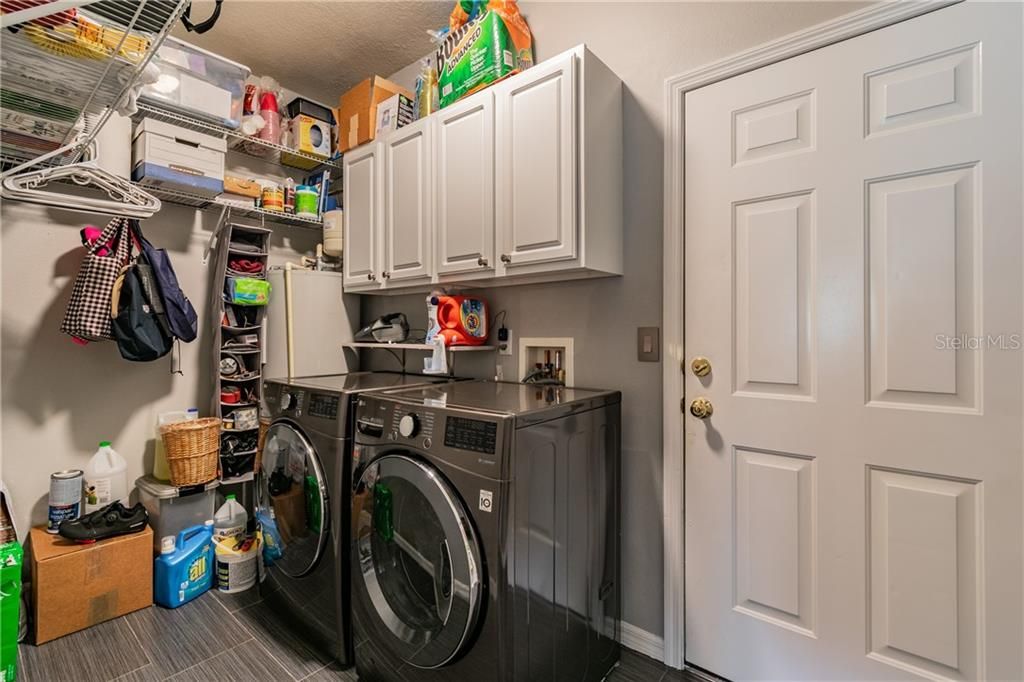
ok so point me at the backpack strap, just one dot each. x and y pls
(202, 26)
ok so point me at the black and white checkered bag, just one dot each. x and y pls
(88, 312)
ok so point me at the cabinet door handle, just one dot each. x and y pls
(370, 276)
(505, 258)
(386, 275)
(482, 262)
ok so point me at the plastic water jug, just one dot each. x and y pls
(236, 552)
(184, 569)
(106, 478)
(230, 519)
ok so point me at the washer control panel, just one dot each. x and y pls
(409, 424)
(471, 434)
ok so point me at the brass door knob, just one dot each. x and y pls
(701, 408)
(701, 366)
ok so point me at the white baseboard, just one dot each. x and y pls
(641, 641)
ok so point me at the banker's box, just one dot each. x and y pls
(77, 586)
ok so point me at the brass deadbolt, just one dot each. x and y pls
(701, 366)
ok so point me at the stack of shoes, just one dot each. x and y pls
(110, 521)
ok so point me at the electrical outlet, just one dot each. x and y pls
(499, 372)
(505, 346)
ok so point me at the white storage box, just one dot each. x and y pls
(171, 509)
(198, 83)
(167, 156)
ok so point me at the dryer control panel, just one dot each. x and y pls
(471, 434)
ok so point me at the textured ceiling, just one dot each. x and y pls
(319, 48)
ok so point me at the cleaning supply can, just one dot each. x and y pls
(237, 563)
(106, 478)
(65, 498)
(184, 569)
(306, 201)
(236, 551)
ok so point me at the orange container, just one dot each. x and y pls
(463, 320)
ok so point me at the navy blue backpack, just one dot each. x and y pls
(181, 318)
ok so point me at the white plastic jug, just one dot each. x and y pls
(106, 478)
(230, 519)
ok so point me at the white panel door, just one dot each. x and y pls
(361, 219)
(465, 186)
(408, 203)
(853, 257)
(536, 164)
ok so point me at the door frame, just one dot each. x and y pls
(872, 18)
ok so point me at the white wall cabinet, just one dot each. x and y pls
(519, 183)
(465, 187)
(408, 196)
(361, 222)
(536, 164)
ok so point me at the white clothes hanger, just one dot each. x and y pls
(22, 183)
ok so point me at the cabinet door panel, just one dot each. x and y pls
(408, 203)
(465, 186)
(536, 164)
(362, 196)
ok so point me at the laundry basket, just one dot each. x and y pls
(192, 448)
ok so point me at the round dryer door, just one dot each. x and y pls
(419, 571)
(294, 495)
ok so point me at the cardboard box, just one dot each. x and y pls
(393, 113)
(357, 110)
(77, 586)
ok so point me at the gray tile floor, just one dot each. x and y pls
(216, 637)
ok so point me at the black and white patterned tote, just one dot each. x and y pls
(88, 312)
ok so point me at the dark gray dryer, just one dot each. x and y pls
(486, 533)
(304, 491)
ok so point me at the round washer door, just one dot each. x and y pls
(418, 567)
(294, 487)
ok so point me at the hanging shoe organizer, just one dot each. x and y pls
(241, 254)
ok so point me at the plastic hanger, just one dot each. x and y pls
(22, 183)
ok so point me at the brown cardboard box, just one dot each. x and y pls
(357, 111)
(77, 586)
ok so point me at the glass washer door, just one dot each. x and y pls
(293, 492)
(418, 558)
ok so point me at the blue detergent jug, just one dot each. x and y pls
(185, 567)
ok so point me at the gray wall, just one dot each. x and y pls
(644, 43)
(58, 399)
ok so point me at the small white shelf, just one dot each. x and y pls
(426, 347)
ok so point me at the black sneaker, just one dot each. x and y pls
(104, 523)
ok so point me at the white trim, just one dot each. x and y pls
(842, 28)
(641, 641)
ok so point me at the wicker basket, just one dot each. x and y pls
(264, 427)
(192, 448)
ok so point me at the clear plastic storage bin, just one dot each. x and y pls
(198, 83)
(171, 509)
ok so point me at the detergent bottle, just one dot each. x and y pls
(184, 569)
(230, 519)
(433, 328)
(106, 478)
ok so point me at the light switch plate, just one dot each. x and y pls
(648, 344)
